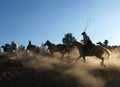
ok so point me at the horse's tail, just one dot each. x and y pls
(108, 52)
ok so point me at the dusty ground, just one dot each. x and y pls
(23, 70)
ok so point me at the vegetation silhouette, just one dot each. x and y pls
(68, 39)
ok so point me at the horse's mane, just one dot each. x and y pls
(78, 43)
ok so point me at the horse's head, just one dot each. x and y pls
(2, 46)
(7, 45)
(100, 43)
(77, 43)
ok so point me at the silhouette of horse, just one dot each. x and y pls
(9, 48)
(96, 50)
(101, 44)
(6, 48)
(13, 46)
(57, 48)
(21, 48)
(33, 48)
(104, 44)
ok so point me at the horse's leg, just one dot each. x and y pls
(51, 53)
(78, 58)
(63, 52)
(84, 59)
(62, 55)
(102, 62)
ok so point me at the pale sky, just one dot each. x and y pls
(41, 20)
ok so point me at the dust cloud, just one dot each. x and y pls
(53, 71)
(89, 74)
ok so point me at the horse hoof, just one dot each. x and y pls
(104, 65)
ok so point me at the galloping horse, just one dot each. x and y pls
(96, 50)
(10, 48)
(56, 48)
(32, 48)
(6, 48)
(13, 46)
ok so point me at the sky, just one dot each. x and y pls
(41, 20)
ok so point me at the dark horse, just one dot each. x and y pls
(6, 48)
(96, 50)
(32, 48)
(57, 48)
(10, 48)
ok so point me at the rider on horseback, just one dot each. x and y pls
(87, 42)
(106, 43)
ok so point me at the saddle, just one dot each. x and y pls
(87, 48)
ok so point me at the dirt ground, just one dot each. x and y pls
(23, 70)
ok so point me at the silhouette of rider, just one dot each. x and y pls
(87, 42)
(106, 43)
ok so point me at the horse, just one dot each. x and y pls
(57, 48)
(101, 44)
(13, 47)
(104, 44)
(6, 48)
(9, 48)
(32, 48)
(21, 48)
(96, 50)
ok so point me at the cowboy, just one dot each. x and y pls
(87, 42)
(106, 43)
